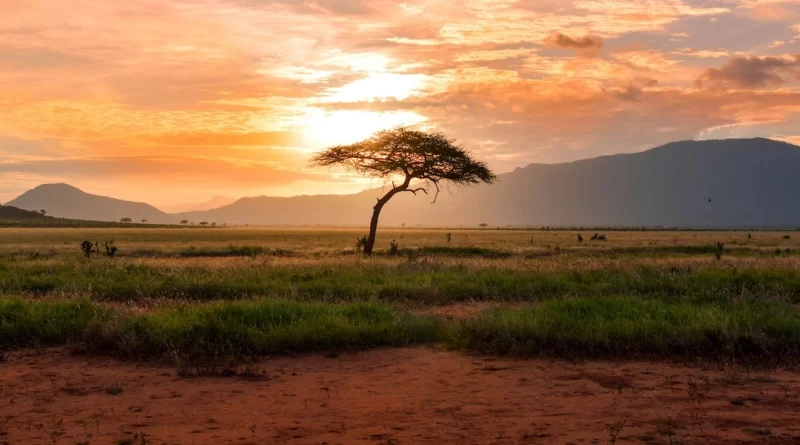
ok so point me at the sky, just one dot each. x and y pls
(174, 101)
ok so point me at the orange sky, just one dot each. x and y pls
(174, 101)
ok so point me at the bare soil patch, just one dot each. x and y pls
(393, 396)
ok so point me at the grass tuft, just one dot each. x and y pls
(626, 327)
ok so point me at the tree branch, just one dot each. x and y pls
(414, 191)
(436, 184)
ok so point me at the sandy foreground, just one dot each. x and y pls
(393, 396)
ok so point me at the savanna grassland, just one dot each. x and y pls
(668, 337)
(251, 292)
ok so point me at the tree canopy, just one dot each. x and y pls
(429, 157)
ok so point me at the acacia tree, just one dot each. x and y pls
(430, 160)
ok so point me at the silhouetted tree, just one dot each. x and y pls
(720, 250)
(144, 221)
(87, 248)
(111, 249)
(184, 222)
(431, 158)
(483, 225)
(126, 220)
(43, 212)
(203, 223)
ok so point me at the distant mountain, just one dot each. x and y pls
(213, 203)
(15, 214)
(723, 183)
(65, 201)
(720, 183)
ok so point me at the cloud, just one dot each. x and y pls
(559, 40)
(269, 139)
(752, 72)
(165, 170)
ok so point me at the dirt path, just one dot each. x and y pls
(400, 396)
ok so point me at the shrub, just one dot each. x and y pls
(88, 248)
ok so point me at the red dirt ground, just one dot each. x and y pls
(393, 396)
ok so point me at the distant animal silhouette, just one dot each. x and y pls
(580, 238)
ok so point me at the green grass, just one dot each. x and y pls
(118, 280)
(630, 327)
(32, 324)
(621, 327)
(239, 329)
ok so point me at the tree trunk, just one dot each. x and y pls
(373, 228)
(376, 213)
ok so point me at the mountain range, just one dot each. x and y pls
(720, 183)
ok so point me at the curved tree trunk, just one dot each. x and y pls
(376, 213)
(373, 228)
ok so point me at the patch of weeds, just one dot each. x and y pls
(114, 389)
(762, 379)
(667, 426)
(614, 429)
(732, 376)
(741, 401)
(759, 431)
(137, 439)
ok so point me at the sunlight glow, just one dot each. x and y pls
(377, 87)
(326, 128)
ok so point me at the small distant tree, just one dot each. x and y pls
(43, 212)
(213, 224)
(126, 220)
(88, 248)
(203, 223)
(184, 222)
(111, 249)
(144, 221)
(483, 225)
(431, 159)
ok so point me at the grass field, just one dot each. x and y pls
(247, 292)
